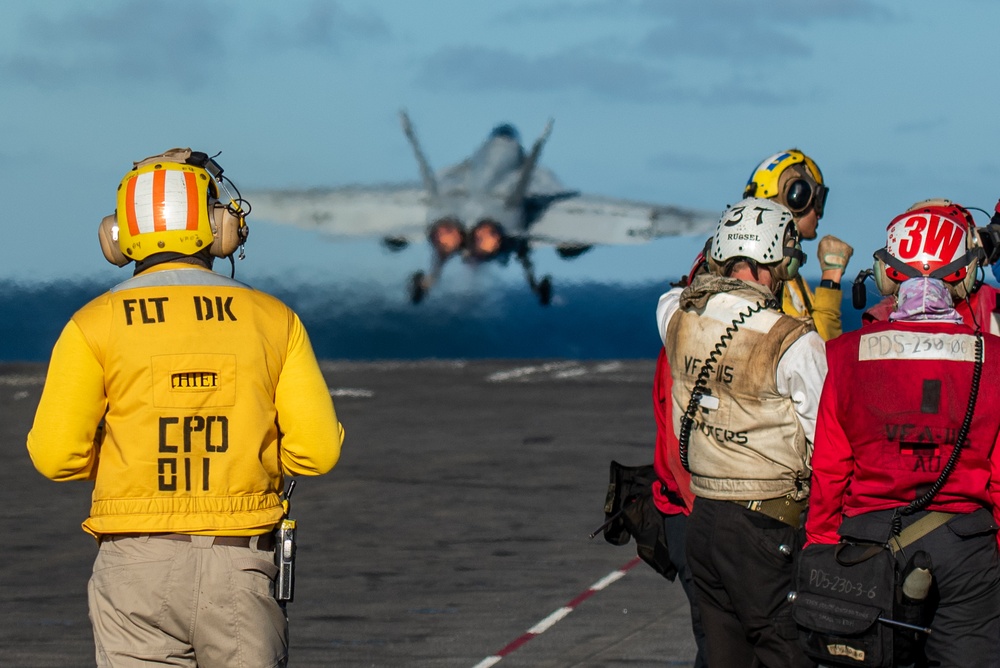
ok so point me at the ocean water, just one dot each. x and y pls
(587, 320)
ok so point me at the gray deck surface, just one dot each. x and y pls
(457, 520)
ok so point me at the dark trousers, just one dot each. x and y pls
(675, 527)
(742, 579)
(964, 601)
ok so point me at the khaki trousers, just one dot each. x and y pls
(176, 603)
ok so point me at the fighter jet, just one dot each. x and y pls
(497, 203)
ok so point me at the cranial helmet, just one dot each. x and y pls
(169, 203)
(793, 179)
(935, 238)
(759, 230)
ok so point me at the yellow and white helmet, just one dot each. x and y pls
(169, 203)
(793, 179)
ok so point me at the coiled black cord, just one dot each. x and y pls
(701, 383)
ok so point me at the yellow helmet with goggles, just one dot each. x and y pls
(793, 179)
(169, 203)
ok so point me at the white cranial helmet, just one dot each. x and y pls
(760, 230)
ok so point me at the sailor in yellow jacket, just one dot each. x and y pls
(794, 180)
(187, 397)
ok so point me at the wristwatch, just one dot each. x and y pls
(827, 283)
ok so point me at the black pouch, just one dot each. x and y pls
(841, 593)
(632, 513)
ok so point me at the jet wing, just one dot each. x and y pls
(591, 220)
(349, 211)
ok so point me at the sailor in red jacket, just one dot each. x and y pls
(893, 406)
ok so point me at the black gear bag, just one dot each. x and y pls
(630, 512)
(844, 594)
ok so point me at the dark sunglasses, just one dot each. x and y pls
(801, 194)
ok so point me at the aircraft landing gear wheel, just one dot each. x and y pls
(417, 290)
(545, 291)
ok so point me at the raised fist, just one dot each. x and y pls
(834, 254)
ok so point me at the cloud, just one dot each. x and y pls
(744, 33)
(738, 44)
(187, 43)
(473, 68)
(716, 12)
(742, 13)
(561, 11)
(920, 126)
(642, 50)
(715, 30)
(325, 25)
(128, 41)
(477, 69)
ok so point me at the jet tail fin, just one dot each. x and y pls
(430, 182)
(516, 196)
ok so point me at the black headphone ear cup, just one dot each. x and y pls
(107, 234)
(228, 230)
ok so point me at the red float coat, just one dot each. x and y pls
(985, 304)
(674, 495)
(892, 404)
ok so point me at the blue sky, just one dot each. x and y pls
(655, 100)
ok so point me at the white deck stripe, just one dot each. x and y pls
(607, 579)
(488, 661)
(550, 621)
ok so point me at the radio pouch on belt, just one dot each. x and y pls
(843, 591)
(284, 553)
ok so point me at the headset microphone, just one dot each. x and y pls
(859, 296)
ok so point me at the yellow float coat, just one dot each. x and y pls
(823, 307)
(209, 392)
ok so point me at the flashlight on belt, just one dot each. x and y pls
(284, 553)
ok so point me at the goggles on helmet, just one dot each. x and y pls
(801, 194)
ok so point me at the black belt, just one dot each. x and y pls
(784, 509)
(265, 541)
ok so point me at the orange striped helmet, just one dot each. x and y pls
(163, 206)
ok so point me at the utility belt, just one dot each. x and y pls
(264, 541)
(784, 509)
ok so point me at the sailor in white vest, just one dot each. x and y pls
(746, 386)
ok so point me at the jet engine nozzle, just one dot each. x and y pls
(447, 236)
(485, 240)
